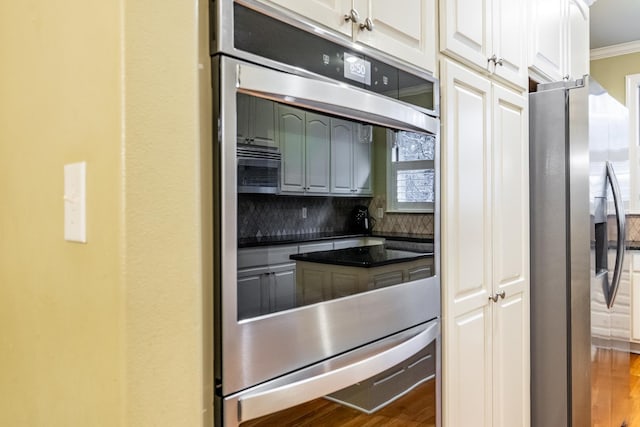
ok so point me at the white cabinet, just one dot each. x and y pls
(578, 39)
(489, 35)
(257, 122)
(351, 160)
(559, 43)
(485, 251)
(406, 32)
(305, 146)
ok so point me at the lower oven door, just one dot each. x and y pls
(259, 336)
(396, 378)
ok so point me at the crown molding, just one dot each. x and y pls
(615, 50)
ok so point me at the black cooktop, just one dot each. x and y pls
(363, 256)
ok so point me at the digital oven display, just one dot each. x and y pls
(357, 69)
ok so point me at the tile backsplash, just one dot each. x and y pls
(269, 215)
(400, 222)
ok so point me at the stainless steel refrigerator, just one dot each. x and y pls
(579, 167)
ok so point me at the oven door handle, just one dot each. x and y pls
(334, 374)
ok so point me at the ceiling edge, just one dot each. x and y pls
(615, 50)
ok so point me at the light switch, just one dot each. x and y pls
(75, 203)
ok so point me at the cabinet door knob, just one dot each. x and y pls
(352, 16)
(368, 25)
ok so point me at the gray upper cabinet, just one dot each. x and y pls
(305, 146)
(257, 122)
(350, 160)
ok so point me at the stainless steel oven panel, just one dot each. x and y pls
(222, 41)
(329, 376)
(259, 349)
(332, 98)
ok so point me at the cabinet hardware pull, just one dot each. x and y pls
(495, 60)
(566, 77)
(497, 296)
(368, 25)
(352, 16)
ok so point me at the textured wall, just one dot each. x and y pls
(61, 305)
(611, 73)
(113, 332)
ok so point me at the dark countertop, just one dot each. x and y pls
(247, 242)
(364, 256)
(293, 238)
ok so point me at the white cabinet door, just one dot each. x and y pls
(510, 259)
(547, 50)
(329, 13)
(466, 247)
(292, 130)
(341, 156)
(407, 32)
(317, 153)
(489, 34)
(485, 223)
(509, 41)
(465, 29)
(578, 33)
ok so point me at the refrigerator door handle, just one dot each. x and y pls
(620, 223)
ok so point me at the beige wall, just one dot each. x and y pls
(110, 332)
(611, 73)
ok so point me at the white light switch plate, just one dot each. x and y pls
(75, 203)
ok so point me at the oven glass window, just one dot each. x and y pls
(325, 231)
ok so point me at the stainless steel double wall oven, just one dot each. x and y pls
(282, 339)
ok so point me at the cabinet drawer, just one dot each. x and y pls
(254, 257)
(376, 392)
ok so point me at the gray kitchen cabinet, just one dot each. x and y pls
(257, 122)
(253, 291)
(266, 280)
(305, 146)
(350, 160)
(265, 290)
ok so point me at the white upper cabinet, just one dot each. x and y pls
(547, 50)
(488, 35)
(407, 32)
(330, 13)
(578, 42)
(559, 43)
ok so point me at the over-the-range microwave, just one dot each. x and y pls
(258, 169)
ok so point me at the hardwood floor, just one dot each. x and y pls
(415, 409)
(623, 385)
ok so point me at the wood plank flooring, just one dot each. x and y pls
(415, 409)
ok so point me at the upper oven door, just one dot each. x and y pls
(266, 327)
